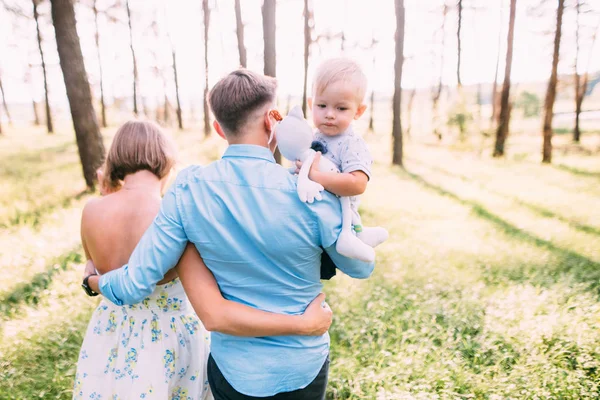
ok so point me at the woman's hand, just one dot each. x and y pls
(318, 317)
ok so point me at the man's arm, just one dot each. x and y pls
(225, 316)
(157, 252)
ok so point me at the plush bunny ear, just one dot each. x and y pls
(296, 112)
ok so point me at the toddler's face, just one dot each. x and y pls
(335, 107)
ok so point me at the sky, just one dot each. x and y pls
(179, 24)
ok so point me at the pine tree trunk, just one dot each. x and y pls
(97, 38)
(551, 92)
(409, 108)
(36, 16)
(494, 117)
(133, 58)
(372, 112)
(179, 117)
(89, 140)
(240, 33)
(269, 13)
(458, 51)
(504, 119)
(307, 40)
(397, 100)
(206, 14)
(438, 91)
(4, 103)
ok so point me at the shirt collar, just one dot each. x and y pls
(249, 151)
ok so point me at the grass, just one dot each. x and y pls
(487, 289)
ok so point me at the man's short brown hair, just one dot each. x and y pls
(138, 146)
(235, 97)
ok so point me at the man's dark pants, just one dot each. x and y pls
(222, 390)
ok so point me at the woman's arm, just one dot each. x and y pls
(225, 316)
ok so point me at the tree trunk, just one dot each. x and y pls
(494, 117)
(372, 112)
(307, 40)
(438, 91)
(179, 117)
(240, 33)
(89, 140)
(4, 103)
(397, 100)
(206, 14)
(269, 27)
(504, 119)
(551, 92)
(97, 38)
(206, 112)
(39, 40)
(458, 50)
(409, 108)
(135, 70)
(269, 13)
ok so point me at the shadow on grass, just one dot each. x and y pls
(542, 211)
(31, 292)
(577, 171)
(34, 217)
(582, 268)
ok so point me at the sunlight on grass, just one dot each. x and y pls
(487, 289)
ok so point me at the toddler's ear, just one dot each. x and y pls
(360, 111)
(309, 102)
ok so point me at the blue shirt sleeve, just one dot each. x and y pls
(328, 213)
(158, 251)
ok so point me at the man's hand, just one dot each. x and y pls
(318, 316)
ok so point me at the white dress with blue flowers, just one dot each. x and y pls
(156, 349)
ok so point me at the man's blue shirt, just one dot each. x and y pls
(263, 246)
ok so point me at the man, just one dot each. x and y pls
(261, 243)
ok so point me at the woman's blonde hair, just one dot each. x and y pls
(138, 146)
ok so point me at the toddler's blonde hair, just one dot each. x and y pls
(340, 69)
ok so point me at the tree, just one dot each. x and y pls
(269, 13)
(529, 103)
(504, 119)
(397, 100)
(458, 49)
(307, 42)
(4, 103)
(206, 14)
(437, 92)
(36, 17)
(133, 58)
(179, 117)
(494, 115)
(581, 83)
(89, 140)
(97, 40)
(240, 33)
(551, 92)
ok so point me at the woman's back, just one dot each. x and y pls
(112, 226)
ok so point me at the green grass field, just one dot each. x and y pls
(487, 289)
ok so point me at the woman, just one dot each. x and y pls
(157, 348)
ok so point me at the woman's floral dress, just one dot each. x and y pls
(156, 349)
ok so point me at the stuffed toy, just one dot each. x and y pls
(294, 139)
